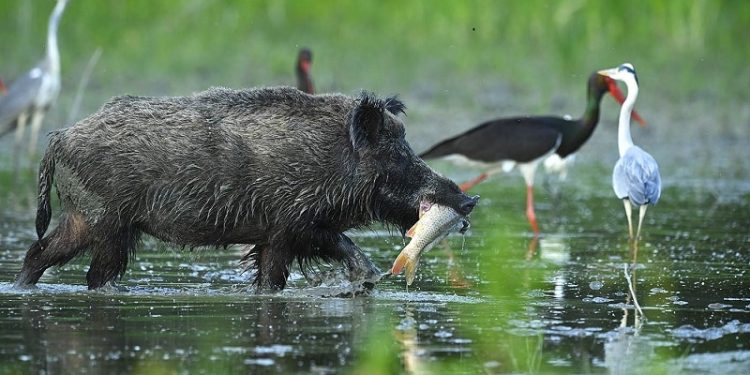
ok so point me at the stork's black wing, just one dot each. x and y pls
(520, 139)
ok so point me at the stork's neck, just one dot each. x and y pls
(53, 54)
(304, 82)
(591, 115)
(624, 141)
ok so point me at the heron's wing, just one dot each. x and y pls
(636, 176)
(652, 185)
(19, 98)
(620, 179)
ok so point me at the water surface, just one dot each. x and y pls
(495, 301)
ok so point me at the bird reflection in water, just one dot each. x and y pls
(627, 350)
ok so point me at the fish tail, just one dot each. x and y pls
(401, 261)
(411, 271)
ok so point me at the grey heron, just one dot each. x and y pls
(31, 95)
(635, 178)
(304, 81)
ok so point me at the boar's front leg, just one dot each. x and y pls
(110, 251)
(272, 266)
(272, 260)
(361, 269)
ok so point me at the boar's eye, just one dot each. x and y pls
(400, 156)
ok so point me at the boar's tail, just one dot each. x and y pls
(44, 206)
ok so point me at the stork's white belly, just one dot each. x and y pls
(496, 166)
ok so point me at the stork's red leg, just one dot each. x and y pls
(471, 183)
(533, 245)
(530, 208)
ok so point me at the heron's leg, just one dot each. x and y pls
(36, 124)
(473, 182)
(20, 128)
(629, 213)
(641, 215)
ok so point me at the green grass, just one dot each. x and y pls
(170, 47)
(454, 63)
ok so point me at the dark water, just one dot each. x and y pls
(496, 301)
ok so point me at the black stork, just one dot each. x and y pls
(304, 80)
(502, 143)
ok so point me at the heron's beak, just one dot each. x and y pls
(608, 72)
(618, 95)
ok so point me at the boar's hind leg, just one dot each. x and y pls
(109, 255)
(66, 241)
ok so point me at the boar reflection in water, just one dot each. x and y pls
(274, 167)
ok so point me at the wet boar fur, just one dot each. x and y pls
(282, 170)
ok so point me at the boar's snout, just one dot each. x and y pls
(467, 205)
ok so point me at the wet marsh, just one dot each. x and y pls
(495, 301)
(502, 304)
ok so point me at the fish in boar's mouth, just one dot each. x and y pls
(435, 222)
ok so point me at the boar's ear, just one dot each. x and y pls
(394, 105)
(366, 120)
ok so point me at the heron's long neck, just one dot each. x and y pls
(53, 54)
(624, 141)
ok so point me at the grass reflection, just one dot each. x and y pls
(509, 278)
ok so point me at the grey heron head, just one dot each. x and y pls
(623, 73)
(604, 80)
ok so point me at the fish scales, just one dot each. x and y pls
(434, 224)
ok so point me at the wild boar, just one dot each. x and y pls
(274, 167)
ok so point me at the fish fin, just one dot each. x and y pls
(413, 230)
(401, 261)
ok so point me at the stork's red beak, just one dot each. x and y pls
(615, 91)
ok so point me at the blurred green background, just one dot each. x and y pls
(449, 51)
(455, 64)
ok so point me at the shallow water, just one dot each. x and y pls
(496, 301)
(505, 303)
